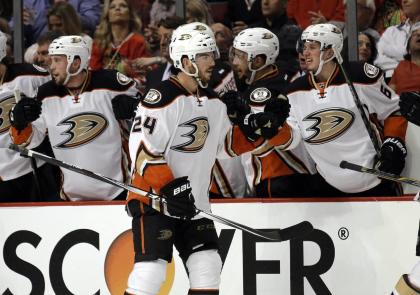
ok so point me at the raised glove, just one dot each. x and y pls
(410, 106)
(124, 106)
(279, 106)
(237, 107)
(263, 124)
(179, 199)
(392, 159)
(27, 110)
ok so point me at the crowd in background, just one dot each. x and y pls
(132, 36)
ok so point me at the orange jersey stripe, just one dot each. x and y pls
(21, 137)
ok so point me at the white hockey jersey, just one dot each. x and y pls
(83, 131)
(325, 117)
(26, 78)
(176, 134)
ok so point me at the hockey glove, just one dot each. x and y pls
(392, 159)
(279, 106)
(237, 107)
(263, 124)
(179, 199)
(410, 106)
(124, 106)
(27, 110)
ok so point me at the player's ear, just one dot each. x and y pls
(185, 62)
(75, 65)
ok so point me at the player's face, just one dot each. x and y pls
(205, 64)
(58, 68)
(240, 63)
(311, 52)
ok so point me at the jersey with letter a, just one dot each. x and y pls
(175, 134)
(26, 78)
(83, 131)
(325, 117)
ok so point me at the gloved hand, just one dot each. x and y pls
(392, 159)
(237, 107)
(263, 124)
(279, 106)
(27, 110)
(410, 106)
(179, 199)
(124, 106)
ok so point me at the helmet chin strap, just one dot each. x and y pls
(253, 72)
(322, 62)
(69, 75)
(195, 75)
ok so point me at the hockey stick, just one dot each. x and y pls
(381, 174)
(294, 231)
(359, 105)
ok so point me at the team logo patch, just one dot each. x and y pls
(370, 70)
(76, 40)
(185, 37)
(82, 129)
(123, 79)
(328, 124)
(6, 105)
(267, 36)
(41, 69)
(152, 97)
(200, 28)
(200, 129)
(164, 234)
(260, 95)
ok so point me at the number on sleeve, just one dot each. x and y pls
(149, 124)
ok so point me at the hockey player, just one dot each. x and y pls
(273, 173)
(78, 114)
(325, 118)
(179, 130)
(18, 182)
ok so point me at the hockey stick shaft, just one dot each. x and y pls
(381, 174)
(297, 230)
(359, 105)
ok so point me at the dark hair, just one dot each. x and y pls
(171, 22)
(48, 37)
(373, 49)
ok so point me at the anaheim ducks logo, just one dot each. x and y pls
(185, 37)
(329, 124)
(267, 36)
(5, 107)
(83, 128)
(196, 137)
(200, 28)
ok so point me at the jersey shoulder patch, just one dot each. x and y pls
(110, 79)
(163, 94)
(364, 73)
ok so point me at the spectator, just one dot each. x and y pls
(164, 64)
(35, 16)
(322, 98)
(273, 16)
(388, 14)
(366, 10)
(308, 12)
(64, 19)
(302, 62)
(275, 173)
(241, 13)
(198, 11)
(161, 9)
(287, 60)
(18, 183)
(42, 58)
(80, 112)
(367, 48)
(406, 77)
(117, 41)
(392, 44)
(224, 39)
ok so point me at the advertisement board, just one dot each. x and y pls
(357, 247)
